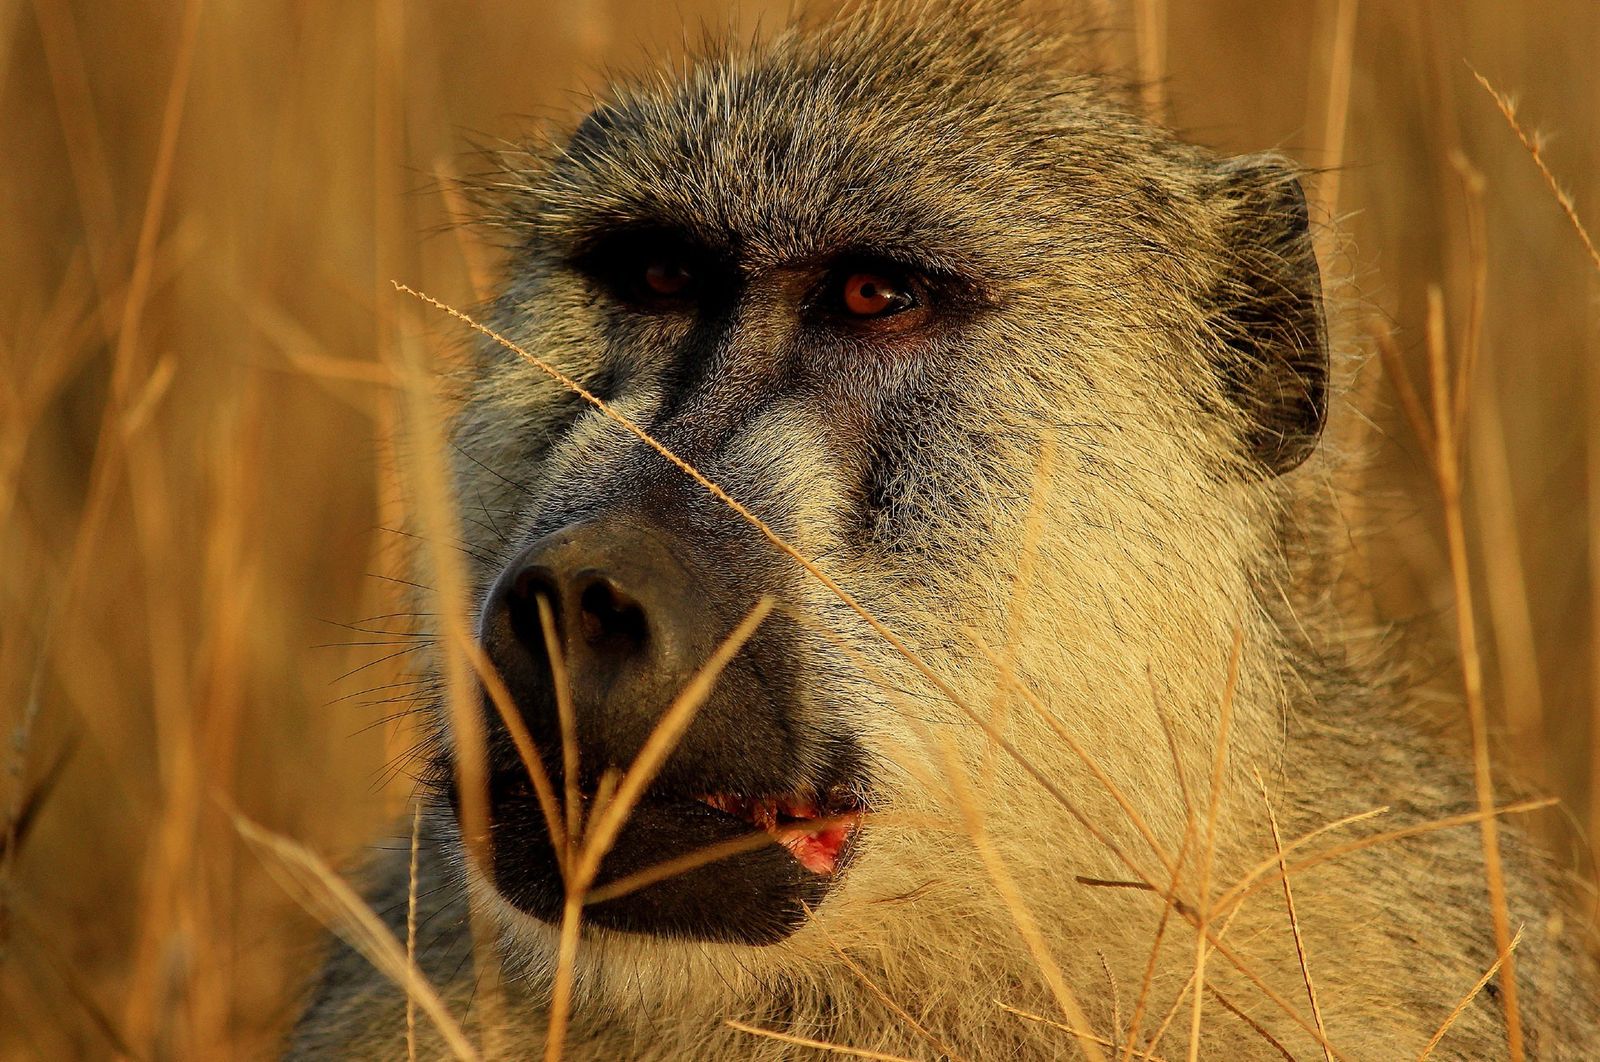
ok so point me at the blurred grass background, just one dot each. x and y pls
(201, 208)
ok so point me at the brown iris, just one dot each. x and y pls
(874, 295)
(667, 277)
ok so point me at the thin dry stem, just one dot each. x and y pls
(1262, 877)
(341, 909)
(1208, 853)
(1042, 1020)
(607, 822)
(527, 751)
(1259, 1029)
(1021, 916)
(1150, 38)
(1136, 1024)
(411, 932)
(663, 739)
(1466, 1000)
(711, 853)
(1335, 118)
(1449, 477)
(568, 721)
(1294, 918)
(1568, 207)
(1410, 401)
(555, 1037)
(480, 273)
(1183, 993)
(819, 1045)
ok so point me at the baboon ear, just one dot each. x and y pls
(1269, 313)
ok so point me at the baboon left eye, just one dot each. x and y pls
(871, 295)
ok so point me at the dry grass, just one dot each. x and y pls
(211, 397)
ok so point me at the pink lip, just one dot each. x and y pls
(816, 849)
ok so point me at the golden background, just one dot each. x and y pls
(202, 205)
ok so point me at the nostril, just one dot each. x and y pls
(610, 617)
(523, 605)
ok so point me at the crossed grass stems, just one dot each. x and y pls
(581, 845)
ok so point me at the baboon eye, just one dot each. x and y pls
(868, 294)
(667, 276)
(649, 271)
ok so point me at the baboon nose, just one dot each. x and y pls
(591, 605)
(627, 619)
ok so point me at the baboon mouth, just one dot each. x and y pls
(814, 833)
(716, 866)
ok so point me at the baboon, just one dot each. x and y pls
(1039, 386)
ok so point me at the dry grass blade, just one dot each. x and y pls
(711, 853)
(1448, 469)
(555, 1036)
(1410, 401)
(607, 822)
(1065, 737)
(671, 868)
(1150, 32)
(1294, 918)
(1208, 853)
(144, 256)
(1042, 1020)
(1244, 883)
(1021, 916)
(527, 751)
(1256, 1026)
(1466, 1000)
(663, 739)
(567, 718)
(1570, 209)
(480, 272)
(883, 997)
(818, 1045)
(1136, 1024)
(439, 517)
(1189, 984)
(1341, 66)
(1147, 982)
(336, 904)
(411, 931)
(1261, 876)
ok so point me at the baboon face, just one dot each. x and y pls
(903, 301)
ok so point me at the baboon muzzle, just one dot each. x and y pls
(633, 613)
(627, 617)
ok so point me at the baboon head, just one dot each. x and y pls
(1011, 368)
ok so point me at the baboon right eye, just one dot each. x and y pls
(654, 273)
(656, 278)
(668, 276)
